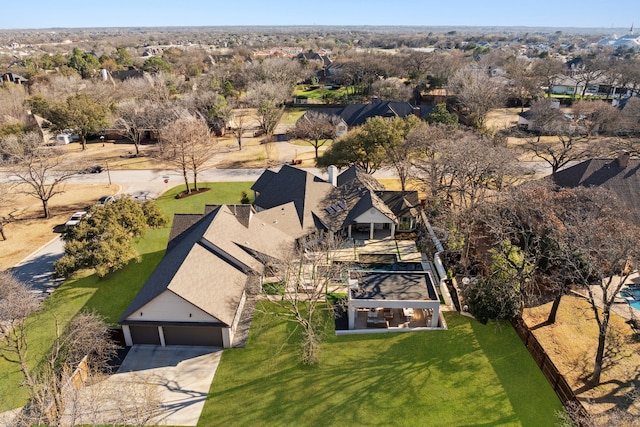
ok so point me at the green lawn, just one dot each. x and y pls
(319, 92)
(110, 295)
(291, 115)
(469, 375)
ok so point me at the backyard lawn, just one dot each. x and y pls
(469, 375)
(110, 295)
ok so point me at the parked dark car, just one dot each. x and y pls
(106, 199)
(92, 169)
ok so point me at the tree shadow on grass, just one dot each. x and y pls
(410, 378)
(530, 394)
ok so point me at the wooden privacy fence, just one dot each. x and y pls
(555, 378)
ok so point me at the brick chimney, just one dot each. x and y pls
(623, 159)
(416, 112)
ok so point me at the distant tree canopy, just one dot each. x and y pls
(81, 114)
(440, 114)
(368, 145)
(103, 240)
(85, 63)
(156, 64)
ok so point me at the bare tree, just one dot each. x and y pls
(239, 123)
(532, 217)
(550, 71)
(42, 169)
(477, 92)
(425, 141)
(602, 241)
(280, 71)
(188, 144)
(303, 278)
(566, 142)
(596, 116)
(211, 106)
(138, 118)
(476, 168)
(269, 100)
(558, 153)
(17, 303)
(13, 104)
(594, 66)
(108, 400)
(7, 208)
(392, 89)
(524, 84)
(315, 128)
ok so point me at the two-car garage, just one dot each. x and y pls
(166, 335)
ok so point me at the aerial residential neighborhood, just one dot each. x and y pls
(257, 223)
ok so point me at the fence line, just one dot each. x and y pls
(552, 374)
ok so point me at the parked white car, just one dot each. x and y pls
(75, 219)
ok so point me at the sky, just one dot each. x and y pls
(154, 13)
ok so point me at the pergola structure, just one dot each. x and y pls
(406, 292)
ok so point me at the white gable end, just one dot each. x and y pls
(373, 215)
(169, 307)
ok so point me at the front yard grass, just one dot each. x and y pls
(469, 375)
(110, 295)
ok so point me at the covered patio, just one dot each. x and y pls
(392, 300)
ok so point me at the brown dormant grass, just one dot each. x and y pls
(571, 344)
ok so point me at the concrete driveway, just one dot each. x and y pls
(154, 386)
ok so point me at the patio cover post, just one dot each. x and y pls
(352, 316)
(436, 315)
(371, 226)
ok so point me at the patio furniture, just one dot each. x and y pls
(388, 313)
(377, 323)
(407, 313)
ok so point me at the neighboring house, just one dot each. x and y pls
(526, 120)
(352, 204)
(197, 293)
(620, 175)
(574, 85)
(13, 78)
(354, 115)
(323, 62)
(129, 73)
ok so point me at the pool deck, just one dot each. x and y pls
(620, 307)
(405, 250)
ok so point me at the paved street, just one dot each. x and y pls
(37, 269)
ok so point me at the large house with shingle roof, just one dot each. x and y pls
(352, 204)
(196, 294)
(620, 175)
(354, 115)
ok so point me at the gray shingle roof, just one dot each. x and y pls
(319, 205)
(208, 264)
(605, 173)
(295, 185)
(357, 114)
